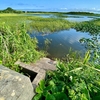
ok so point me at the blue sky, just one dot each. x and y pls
(50, 4)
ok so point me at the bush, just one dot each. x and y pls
(73, 80)
(17, 45)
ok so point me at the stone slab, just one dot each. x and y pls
(14, 86)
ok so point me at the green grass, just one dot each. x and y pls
(49, 24)
(93, 27)
(12, 20)
(8, 14)
(38, 24)
(17, 45)
(77, 79)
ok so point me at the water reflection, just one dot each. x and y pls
(62, 41)
(41, 15)
(78, 18)
(75, 18)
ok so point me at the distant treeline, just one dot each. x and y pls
(10, 10)
(79, 13)
(82, 13)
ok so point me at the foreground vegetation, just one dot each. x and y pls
(17, 45)
(77, 79)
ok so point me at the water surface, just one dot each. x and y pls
(79, 18)
(41, 15)
(61, 42)
(75, 18)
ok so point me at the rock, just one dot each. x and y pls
(14, 86)
(39, 68)
(45, 64)
(31, 70)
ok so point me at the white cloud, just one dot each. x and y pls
(94, 8)
(64, 8)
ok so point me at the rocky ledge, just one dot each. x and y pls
(14, 86)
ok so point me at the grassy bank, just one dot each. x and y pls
(9, 14)
(77, 79)
(17, 45)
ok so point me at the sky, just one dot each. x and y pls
(51, 4)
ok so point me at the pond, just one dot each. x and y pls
(75, 18)
(79, 18)
(61, 42)
(41, 15)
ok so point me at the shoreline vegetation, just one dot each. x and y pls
(75, 78)
(17, 45)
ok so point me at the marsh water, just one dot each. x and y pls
(75, 18)
(41, 15)
(61, 42)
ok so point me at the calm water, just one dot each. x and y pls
(61, 42)
(41, 15)
(75, 18)
(79, 18)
